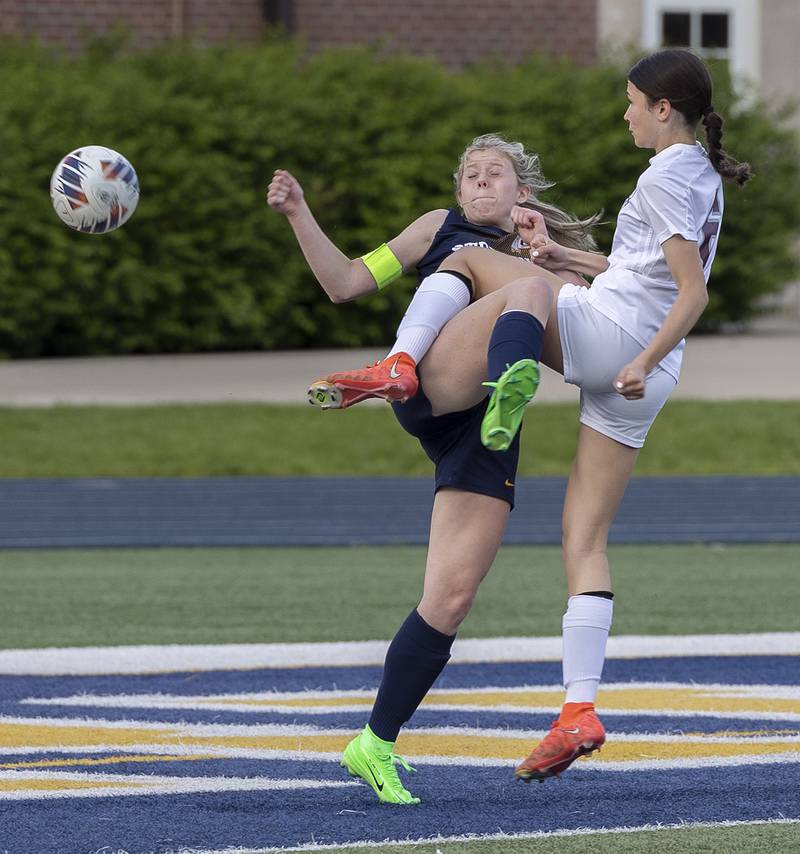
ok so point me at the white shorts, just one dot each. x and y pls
(594, 350)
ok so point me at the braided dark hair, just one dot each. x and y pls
(682, 78)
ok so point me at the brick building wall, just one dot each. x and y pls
(456, 31)
(151, 21)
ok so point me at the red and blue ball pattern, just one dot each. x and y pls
(94, 189)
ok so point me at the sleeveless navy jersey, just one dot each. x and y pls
(455, 233)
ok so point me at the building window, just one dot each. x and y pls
(714, 31)
(676, 29)
(280, 13)
(706, 32)
(729, 29)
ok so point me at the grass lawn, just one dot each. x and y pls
(742, 839)
(689, 438)
(206, 596)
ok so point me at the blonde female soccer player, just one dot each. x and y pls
(474, 485)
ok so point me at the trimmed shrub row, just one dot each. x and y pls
(205, 265)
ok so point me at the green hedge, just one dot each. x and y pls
(205, 265)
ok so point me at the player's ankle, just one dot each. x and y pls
(571, 712)
(377, 744)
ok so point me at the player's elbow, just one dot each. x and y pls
(346, 288)
(356, 283)
(700, 302)
(694, 292)
(336, 297)
(345, 293)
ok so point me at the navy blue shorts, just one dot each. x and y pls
(453, 443)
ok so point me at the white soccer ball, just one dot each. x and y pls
(94, 189)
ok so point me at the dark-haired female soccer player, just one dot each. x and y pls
(621, 341)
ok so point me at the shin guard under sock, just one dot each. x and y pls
(516, 335)
(415, 657)
(586, 625)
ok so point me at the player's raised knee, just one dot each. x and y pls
(531, 293)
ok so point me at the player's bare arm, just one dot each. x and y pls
(414, 241)
(683, 259)
(553, 256)
(341, 278)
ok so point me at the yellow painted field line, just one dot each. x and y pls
(411, 742)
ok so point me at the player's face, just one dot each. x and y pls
(641, 118)
(489, 188)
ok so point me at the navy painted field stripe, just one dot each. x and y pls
(741, 670)
(231, 511)
(286, 818)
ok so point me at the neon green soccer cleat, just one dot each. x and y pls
(512, 393)
(372, 759)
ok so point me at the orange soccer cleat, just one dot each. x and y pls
(565, 742)
(393, 379)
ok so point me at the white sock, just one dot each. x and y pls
(440, 297)
(585, 628)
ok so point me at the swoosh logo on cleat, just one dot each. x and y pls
(379, 785)
(393, 372)
(572, 731)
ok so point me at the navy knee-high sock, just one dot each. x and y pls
(415, 657)
(516, 335)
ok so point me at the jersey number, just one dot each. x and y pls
(710, 232)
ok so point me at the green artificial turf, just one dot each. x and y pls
(207, 596)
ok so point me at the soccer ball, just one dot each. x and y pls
(94, 189)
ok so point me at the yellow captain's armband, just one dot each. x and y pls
(383, 265)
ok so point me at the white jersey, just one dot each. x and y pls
(680, 193)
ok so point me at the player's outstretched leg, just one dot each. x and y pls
(373, 760)
(574, 734)
(511, 393)
(393, 379)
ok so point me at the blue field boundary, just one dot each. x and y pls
(227, 821)
(338, 511)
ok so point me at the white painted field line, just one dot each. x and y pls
(492, 837)
(202, 701)
(162, 659)
(250, 754)
(117, 785)
(311, 703)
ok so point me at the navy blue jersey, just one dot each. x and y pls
(455, 233)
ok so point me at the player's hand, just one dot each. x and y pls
(630, 381)
(549, 254)
(529, 223)
(284, 193)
